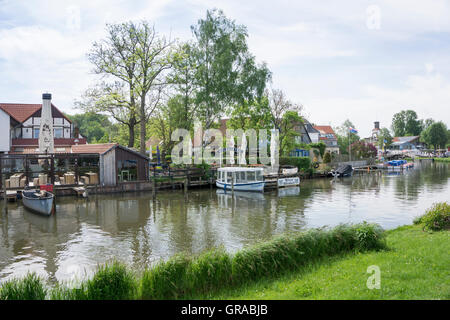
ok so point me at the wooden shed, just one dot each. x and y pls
(117, 163)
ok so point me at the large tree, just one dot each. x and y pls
(405, 123)
(227, 73)
(435, 135)
(132, 60)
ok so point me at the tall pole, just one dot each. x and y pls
(349, 145)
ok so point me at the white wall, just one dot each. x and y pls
(314, 137)
(4, 132)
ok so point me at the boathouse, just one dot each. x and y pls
(116, 163)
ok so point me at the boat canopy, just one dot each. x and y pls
(239, 169)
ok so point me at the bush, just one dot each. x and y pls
(436, 218)
(29, 288)
(327, 158)
(302, 163)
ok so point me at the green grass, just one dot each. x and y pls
(31, 287)
(416, 266)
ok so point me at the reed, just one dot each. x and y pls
(435, 218)
(29, 288)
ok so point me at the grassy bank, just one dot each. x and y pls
(186, 277)
(416, 266)
(413, 262)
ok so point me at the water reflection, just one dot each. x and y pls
(139, 230)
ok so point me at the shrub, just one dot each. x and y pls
(302, 163)
(436, 218)
(111, 282)
(327, 158)
(29, 288)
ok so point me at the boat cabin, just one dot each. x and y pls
(239, 178)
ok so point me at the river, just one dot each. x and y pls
(139, 230)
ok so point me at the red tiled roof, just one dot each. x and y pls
(325, 129)
(93, 148)
(20, 112)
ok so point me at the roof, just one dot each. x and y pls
(325, 129)
(22, 111)
(402, 140)
(93, 148)
(240, 169)
(102, 148)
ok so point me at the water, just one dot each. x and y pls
(138, 230)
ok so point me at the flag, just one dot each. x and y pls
(353, 130)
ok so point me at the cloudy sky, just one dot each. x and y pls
(356, 59)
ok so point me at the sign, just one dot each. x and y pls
(283, 182)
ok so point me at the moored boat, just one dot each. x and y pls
(240, 179)
(39, 202)
(342, 171)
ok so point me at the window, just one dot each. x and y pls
(36, 133)
(58, 133)
(251, 176)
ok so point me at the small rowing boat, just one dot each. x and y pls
(39, 202)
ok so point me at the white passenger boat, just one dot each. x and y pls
(240, 179)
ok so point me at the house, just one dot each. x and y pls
(312, 132)
(20, 125)
(406, 143)
(116, 163)
(327, 136)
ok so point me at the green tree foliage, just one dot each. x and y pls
(361, 149)
(289, 131)
(435, 135)
(384, 138)
(227, 73)
(345, 137)
(405, 123)
(94, 126)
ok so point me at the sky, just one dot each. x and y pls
(355, 59)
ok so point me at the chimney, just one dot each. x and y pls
(377, 125)
(46, 143)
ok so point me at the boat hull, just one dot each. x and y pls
(249, 186)
(42, 206)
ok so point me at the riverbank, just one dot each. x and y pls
(415, 266)
(184, 276)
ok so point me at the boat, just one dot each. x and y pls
(39, 202)
(345, 170)
(240, 179)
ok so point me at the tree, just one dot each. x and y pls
(435, 135)
(405, 123)
(345, 137)
(361, 149)
(154, 56)
(288, 131)
(93, 126)
(227, 73)
(384, 138)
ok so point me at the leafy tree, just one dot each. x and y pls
(93, 126)
(227, 73)
(361, 149)
(289, 132)
(435, 135)
(405, 123)
(384, 138)
(345, 137)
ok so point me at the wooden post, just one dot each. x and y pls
(52, 169)
(4, 194)
(232, 182)
(154, 182)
